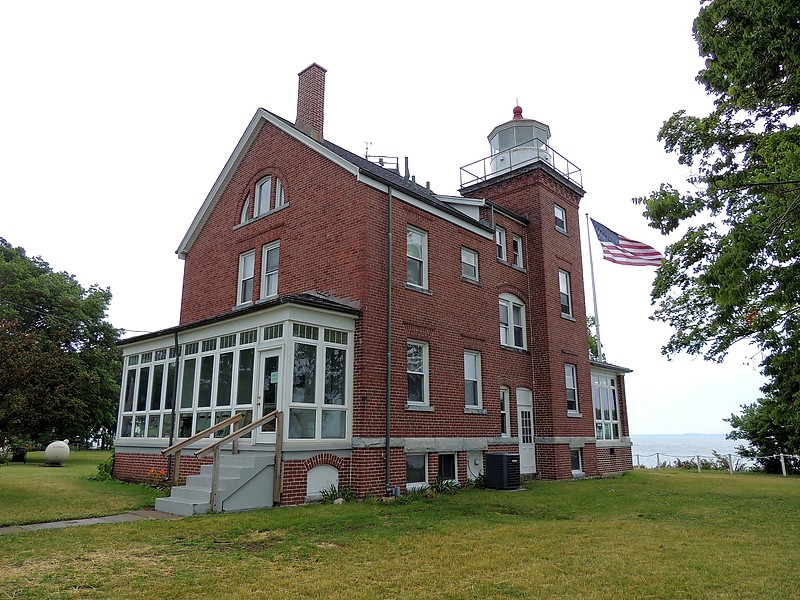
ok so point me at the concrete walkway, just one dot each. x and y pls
(134, 515)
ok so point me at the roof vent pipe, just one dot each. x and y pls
(407, 175)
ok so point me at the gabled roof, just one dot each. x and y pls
(364, 170)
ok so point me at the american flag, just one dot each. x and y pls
(625, 251)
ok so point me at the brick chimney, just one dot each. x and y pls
(311, 101)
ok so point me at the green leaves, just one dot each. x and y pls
(734, 274)
(59, 364)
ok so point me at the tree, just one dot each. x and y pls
(594, 350)
(735, 272)
(59, 362)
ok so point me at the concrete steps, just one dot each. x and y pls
(245, 482)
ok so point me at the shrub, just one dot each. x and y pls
(335, 492)
(105, 469)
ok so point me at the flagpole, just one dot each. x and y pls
(594, 292)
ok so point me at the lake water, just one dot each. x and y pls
(683, 446)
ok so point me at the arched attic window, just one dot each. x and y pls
(246, 210)
(263, 193)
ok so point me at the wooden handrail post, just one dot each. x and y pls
(176, 468)
(215, 480)
(277, 481)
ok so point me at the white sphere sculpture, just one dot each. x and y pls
(57, 452)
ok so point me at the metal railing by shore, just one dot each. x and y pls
(717, 462)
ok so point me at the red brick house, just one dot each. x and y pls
(401, 334)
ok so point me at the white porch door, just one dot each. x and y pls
(527, 452)
(269, 391)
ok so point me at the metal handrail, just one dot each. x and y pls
(234, 436)
(481, 170)
(176, 448)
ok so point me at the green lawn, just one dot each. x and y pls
(650, 534)
(35, 493)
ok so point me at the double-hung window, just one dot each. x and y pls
(417, 372)
(500, 240)
(505, 415)
(469, 264)
(516, 251)
(269, 261)
(472, 379)
(561, 219)
(247, 265)
(571, 382)
(416, 258)
(512, 321)
(566, 293)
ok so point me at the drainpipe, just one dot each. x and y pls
(174, 404)
(389, 350)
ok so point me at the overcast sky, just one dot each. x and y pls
(116, 118)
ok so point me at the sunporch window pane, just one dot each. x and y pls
(244, 384)
(141, 397)
(152, 425)
(206, 381)
(335, 374)
(305, 369)
(225, 379)
(158, 383)
(203, 421)
(302, 423)
(187, 389)
(334, 424)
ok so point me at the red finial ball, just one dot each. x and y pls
(517, 112)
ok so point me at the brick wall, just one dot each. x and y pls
(614, 460)
(339, 226)
(153, 469)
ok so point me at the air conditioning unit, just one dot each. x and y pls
(502, 471)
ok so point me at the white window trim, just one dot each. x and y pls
(505, 416)
(241, 279)
(424, 244)
(454, 479)
(579, 471)
(500, 241)
(573, 369)
(564, 281)
(517, 256)
(265, 274)
(280, 194)
(425, 374)
(562, 216)
(510, 301)
(473, 354)
(246, 210)
(262, 205)
(604, 380)
(474, 255)
(418, 485)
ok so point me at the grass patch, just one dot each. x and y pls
(651, 534)
(35, 493)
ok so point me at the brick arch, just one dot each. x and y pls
(324, 459)
(507, 288)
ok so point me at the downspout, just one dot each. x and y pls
(174, 404)
(389, 350)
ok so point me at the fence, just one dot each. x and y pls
(717, 462)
